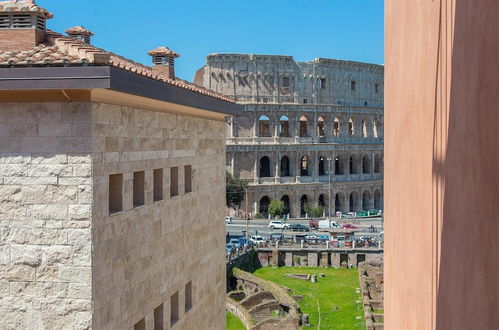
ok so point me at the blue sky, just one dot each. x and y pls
(305, 29)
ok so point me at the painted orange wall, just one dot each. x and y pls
(442, 164)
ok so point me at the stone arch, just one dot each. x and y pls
(366, 200)
(285, 171)
(339, 202)
(378, 164)
(264, 126)
(378, 200)
(353, 164)
(287, 207)
(321, 127)
(284, 126)
(304, 166)
(322, 202)
(364, 128)
(303, 126)
(322, 166)
(366, 164)
(375, 128)
(336, 127)
(263, 207)
(351, 127)
(303, 203)
(265, 171)
(339, 165)
(353, 201)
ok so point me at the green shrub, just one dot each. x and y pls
(276, 208)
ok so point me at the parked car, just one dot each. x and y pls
(229, 248)
(235, 243)
(348, 226)
(257, 239)
(328, 224)
(277, 224)
(245, 241)
(276, 237)
(298, 227)
(228, 219)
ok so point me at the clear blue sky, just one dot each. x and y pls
(305, 29)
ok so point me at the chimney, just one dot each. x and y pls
(80, 33)
(163, 60)
(22, 25)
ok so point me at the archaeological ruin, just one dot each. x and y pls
(304, 125)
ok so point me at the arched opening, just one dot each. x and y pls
(285, 200)
(366, 164)
(303, 126)
(353, 202)
(350, 127)
(322, 167)
(366, 200)
(320, 127)
(364, 129)
(353, 165)
(375, 128)
(339, 165)
(264, 206)
(378, 204)
(284, 126)
(264, 126)
(264, 167)
(303, 205)
(322, 202)
(336, 127)
(285, 166)
(377, 164)
(304, 166)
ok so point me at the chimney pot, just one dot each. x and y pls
(80, 33)
(163, 60)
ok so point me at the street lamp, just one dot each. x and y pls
(330, 172)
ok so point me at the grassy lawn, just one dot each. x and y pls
(336, 294)
(233, 323)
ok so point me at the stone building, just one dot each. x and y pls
(111, 185)
(302, 121)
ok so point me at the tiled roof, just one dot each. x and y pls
(24, 6)
(163, 51)
(62, 50)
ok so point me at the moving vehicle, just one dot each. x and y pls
(257, 239)
(325, 224)
(277, 224)
(298, 227)
(348, 226)
(228, 219)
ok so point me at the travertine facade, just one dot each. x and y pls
(302, 121)
(111, 186)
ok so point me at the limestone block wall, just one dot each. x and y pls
(145, 255)
(45, 215)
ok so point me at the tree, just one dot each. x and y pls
(318, 212)
(276, 208)
(235, 189)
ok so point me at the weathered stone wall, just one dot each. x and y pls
(144, 255)
(45, 216)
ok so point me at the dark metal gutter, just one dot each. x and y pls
(90, 77)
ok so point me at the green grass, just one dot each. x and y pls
(337, 289)
(233, 323)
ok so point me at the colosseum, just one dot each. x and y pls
(311, 132)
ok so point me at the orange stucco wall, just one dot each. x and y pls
(442, 164)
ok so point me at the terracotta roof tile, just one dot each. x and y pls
(24, 6)
(163, 51)
(79, 30)
(63, 50)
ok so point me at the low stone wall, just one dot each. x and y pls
(240, 312)
(371, 283)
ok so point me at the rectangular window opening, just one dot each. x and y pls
(286, 82)
(174, 181)
(188, 296)
(174, 309)
(158, 318)
(158, 184)
(138, 188)
(376, 88)
(323, 83)
(188, 178)
(115, 193)
(352, 85)
(141, 325)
